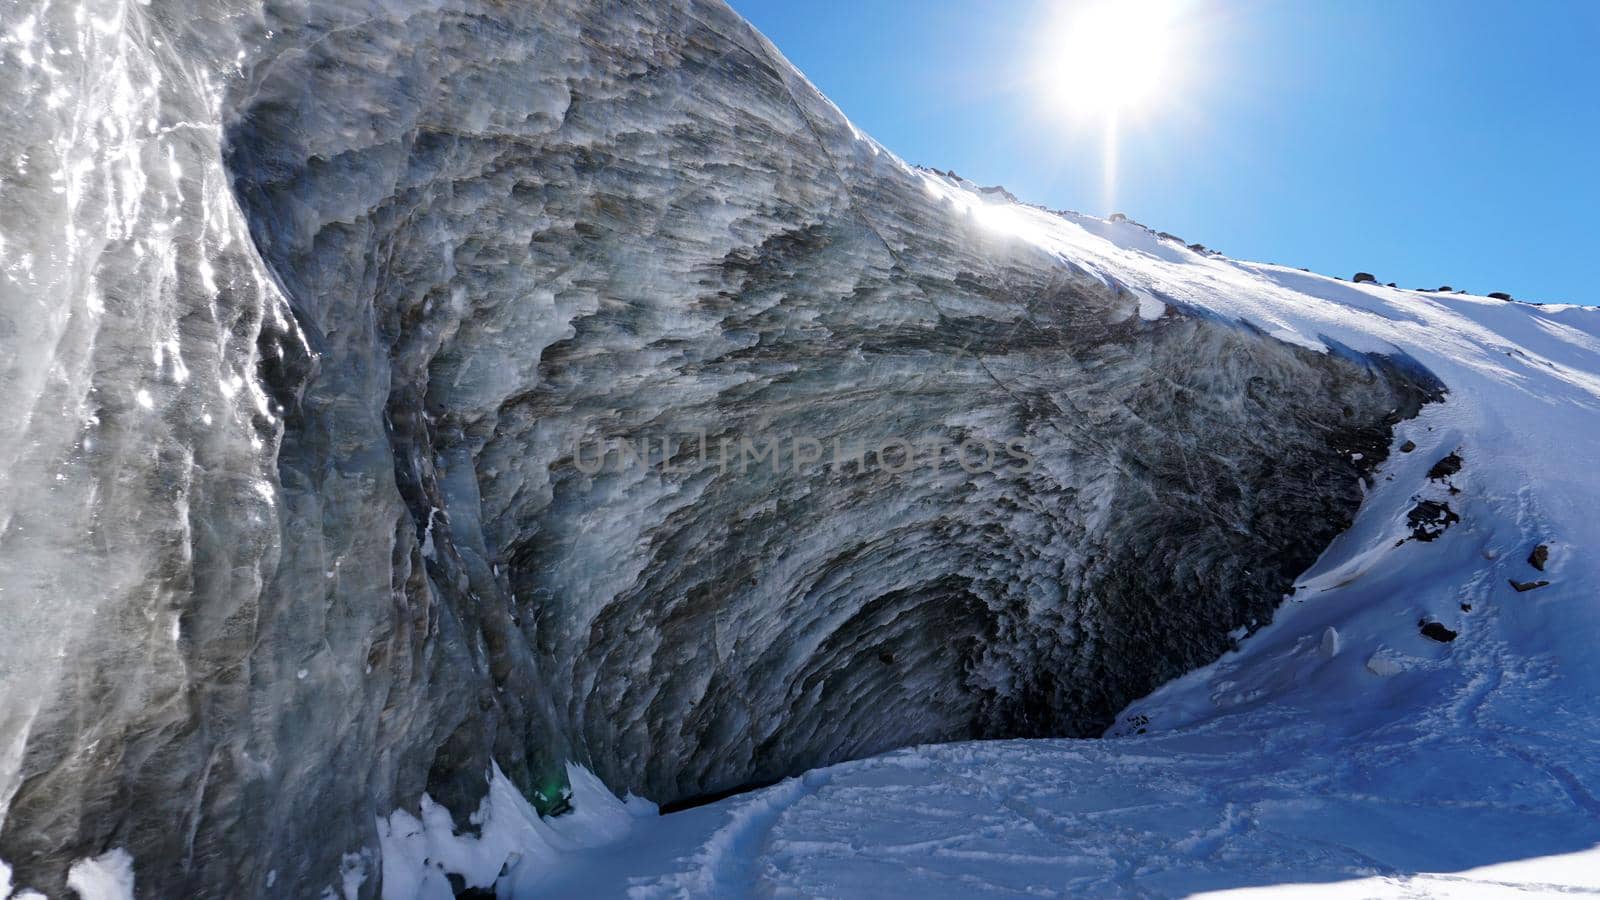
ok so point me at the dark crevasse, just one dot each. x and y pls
(510, 236)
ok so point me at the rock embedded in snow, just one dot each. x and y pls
(1539, 556)
(1522, 587)
(1436, 631)
(1365, 278)
(1445, 467)
(1429, 519)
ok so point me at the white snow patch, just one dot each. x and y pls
(1150, 308)
(1330, 642)
(419, 853)
(108, 876)
(1386, 662)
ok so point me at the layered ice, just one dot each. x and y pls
(1340, 751)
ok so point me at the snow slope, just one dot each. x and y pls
(1338, 750)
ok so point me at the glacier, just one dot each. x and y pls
(310, 310)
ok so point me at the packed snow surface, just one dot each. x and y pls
(1339, 751)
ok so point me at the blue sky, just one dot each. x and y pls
(1425, 141)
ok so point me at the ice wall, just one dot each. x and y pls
(298, 523)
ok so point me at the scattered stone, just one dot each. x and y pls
(1365, 278)
(1408, 446)
(1466, 607)
(1169, 236)
(1392, 284)
(1539, 556)
(1499, 295)
(459, 888)
(1445, 288)
(1436, 631)
(1429, 519)
(885, 657)
(1119, 217)
(1522, 587)
(1444, 468)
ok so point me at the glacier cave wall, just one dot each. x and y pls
(306, 356)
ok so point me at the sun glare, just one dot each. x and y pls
(1110, 57)
(1105, 64)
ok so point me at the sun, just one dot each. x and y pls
(1109, 58)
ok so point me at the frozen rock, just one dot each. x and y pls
(1539, 556)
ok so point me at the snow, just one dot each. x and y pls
(514, 845)
(108, 876)
(1338, 751)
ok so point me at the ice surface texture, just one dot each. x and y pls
(294, 528)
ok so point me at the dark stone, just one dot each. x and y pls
(1436, 631)
(1522, 587)
(1499, 295)
(1429, 519)
(1119, 217)
(1392, 284)
(1466, 607)
(1199, 248)
(1445, 288)
(1365, 278)
(1444, 468)
(1408, 446)
(1539, 556)
(458, 887)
